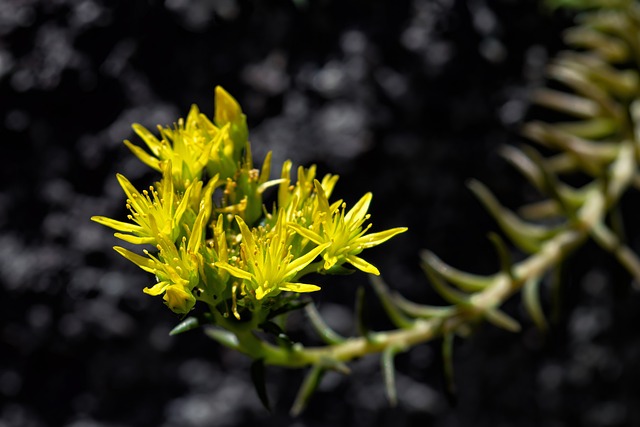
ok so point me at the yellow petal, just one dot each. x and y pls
(116, 225)
(359, 210)
(373, 239)
(329, 183)
(323, 202)
(133, 195)
(182, 206)
(197, 232)
(308, 234)
(266, 169)
(136, 240)
(152, 142)
(234, 271)
(247, 237)
(156, 289)
(298, 287)
(227, 108)
(145, 157)
(362, 265)
(146, 264)
(192, 117)
(301, 262)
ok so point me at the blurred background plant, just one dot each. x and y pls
(379, 93)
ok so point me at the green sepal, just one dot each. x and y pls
(308, 387)
(259, 382)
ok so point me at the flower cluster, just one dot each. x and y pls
(210, 237)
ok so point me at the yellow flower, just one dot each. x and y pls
(342, 233)
(266, 264)
(153, 212)
(198, 143)
(299, 201)
(177, 270)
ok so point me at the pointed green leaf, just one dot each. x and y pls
(502, 320)
(394, 313)
(528, 237)
(389, 374)
(329, 363)
(422, 311)
(463, 280)
(597, 128)
(259, 382)
(308, 387)
(224, 337)
(447, 360)
(327, 334)
(186, 325)
(449, 294)
(574, 105)
(531, 300)
(506, 263)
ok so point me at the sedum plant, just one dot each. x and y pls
(208, 236)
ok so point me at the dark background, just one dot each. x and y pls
(407, 99)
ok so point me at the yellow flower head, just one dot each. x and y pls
(299, 201)
(153, 212)
(197, 143)
(266, 264)
(177, 269)
(343, 234)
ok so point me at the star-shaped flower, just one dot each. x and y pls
(266, 264)
(343, 234)
(154, 208)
